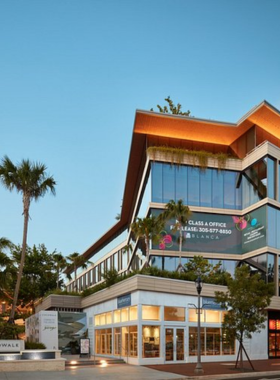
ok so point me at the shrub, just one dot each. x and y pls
(10, 331)
(34, 346)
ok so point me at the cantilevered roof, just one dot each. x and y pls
(149, 123)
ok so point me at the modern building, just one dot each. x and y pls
(228, 174)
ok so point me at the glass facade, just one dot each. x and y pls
(156, 323)
(71, 327)
(273, 334)
(174, 313)
(212, 187)
(211, 342)
(170, 263)
(151, 341)
(196, 187)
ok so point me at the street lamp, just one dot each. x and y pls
(198, 284)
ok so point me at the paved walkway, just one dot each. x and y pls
(216, 370)
(160, 372)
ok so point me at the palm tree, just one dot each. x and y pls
(148, 229)
(181, 214)
(60, 263)
(5, 263)
(76, 261)
(4, 259)
(30, 180)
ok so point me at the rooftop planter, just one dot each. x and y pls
(198, 158)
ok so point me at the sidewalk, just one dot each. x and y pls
(213, 371)
(217, 370)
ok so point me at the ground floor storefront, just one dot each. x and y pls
(145, 327)
(149, 320)
(178, 342)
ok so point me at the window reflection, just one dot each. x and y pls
(212, 342)
(214, 188)
(174, 313)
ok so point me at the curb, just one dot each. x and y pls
(231, 376)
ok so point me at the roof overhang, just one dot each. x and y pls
(148, 123)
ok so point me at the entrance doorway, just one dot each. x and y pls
(274, 345)
(174, 344)
(273, 334)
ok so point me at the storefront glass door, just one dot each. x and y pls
(174, 344)
(274, 345)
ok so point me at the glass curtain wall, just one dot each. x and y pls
(211, 342)
(213, 187)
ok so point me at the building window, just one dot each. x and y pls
(174, 313)
(207, 316)
(133, 340)
(211, 342)
(117, 316)
(150, 313)
(151, 341)
(108, 318)
(168, 183)
(196, 187)
(103, 341)
(133, 313)
(102, 270)
(212, 316)
(96, 272)
(124, 258)
(117, 341)
(193, 186)
(271, 178)
(116, 261)
(109, 263)
(129, 341)
(193, 315)
(121, 315)
(206, 188)
(124, 314)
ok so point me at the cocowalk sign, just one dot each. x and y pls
(217, 233)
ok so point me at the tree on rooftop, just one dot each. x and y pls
(147, 229)
(76, 261)
(60, 263)
(209, 273)
(181, 213)
(171, 108)
(246, 300)
(30, 180)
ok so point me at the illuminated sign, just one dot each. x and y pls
(217, 233)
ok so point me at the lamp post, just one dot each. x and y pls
(198, 284)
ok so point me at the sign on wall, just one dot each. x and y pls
(42, 327)
(11, 345)
(124, 301)
(217, 233)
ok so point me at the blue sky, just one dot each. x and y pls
(73, 72)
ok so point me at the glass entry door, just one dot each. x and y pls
(274, 344)
(174, 344)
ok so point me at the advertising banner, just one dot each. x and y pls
(49, 329)
(42, 327)
(217, 233)
(85, 346)
(72, 326)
